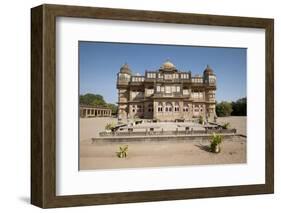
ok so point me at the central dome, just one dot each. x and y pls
(168, 65)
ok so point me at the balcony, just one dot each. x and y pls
(170, 95)
(121, 83)
(176, 80)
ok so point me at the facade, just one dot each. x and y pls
(166, 94)
(92, 111)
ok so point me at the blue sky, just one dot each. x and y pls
(100, 62)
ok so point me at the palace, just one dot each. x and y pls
(167, 94)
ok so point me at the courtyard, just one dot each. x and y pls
(102, 155)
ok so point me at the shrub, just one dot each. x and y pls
(216, 140)
(123, 151)
(109, 126)
(223, 109)
(226, 125)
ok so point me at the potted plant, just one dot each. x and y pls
(226, 125)
(216, 141)
(123, 151)
(109, 127)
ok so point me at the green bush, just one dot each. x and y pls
(216, 141)
(239, 107)
(109, 126)
(226, 125)
(123, 151)
(224, 109)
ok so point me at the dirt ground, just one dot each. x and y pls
(157, 154)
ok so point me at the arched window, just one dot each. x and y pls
(169, 107)
(185, 107)
(177, 107)
(196, 108)
(160, 107)
(150, 107)
(139, 108)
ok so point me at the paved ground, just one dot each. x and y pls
(157, 154)
(237, 122)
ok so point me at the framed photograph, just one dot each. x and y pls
(136, 106)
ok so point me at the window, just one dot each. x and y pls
(139, 108)
(197, 80)
(151, 75)
(212, 79)
(177, 107)
(168, 76)
(150, 108)
(178, 89)
(136, 94)
(158, 88)
(150, 91)
(168, 89)
(184, 75)
(175, 76)
(160, 107)
(185, 92)
(138, 79)
(168, 107)
(197, 95)
(185, 107)
(196, 108)
(123, 76)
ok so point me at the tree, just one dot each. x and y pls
(224, 109)
(92, 99)
(96, 100)
(239, 107)
(113, 108)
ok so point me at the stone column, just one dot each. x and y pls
(155, 109)
(181, 109)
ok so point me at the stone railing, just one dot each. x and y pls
(165, 133)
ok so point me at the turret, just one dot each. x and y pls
(210, 80)
(124, 74)
(209, 76)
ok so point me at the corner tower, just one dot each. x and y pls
(123, 80)
(210, 82)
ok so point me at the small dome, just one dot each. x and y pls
(168, 65)
(125, 69)
(208, 71)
